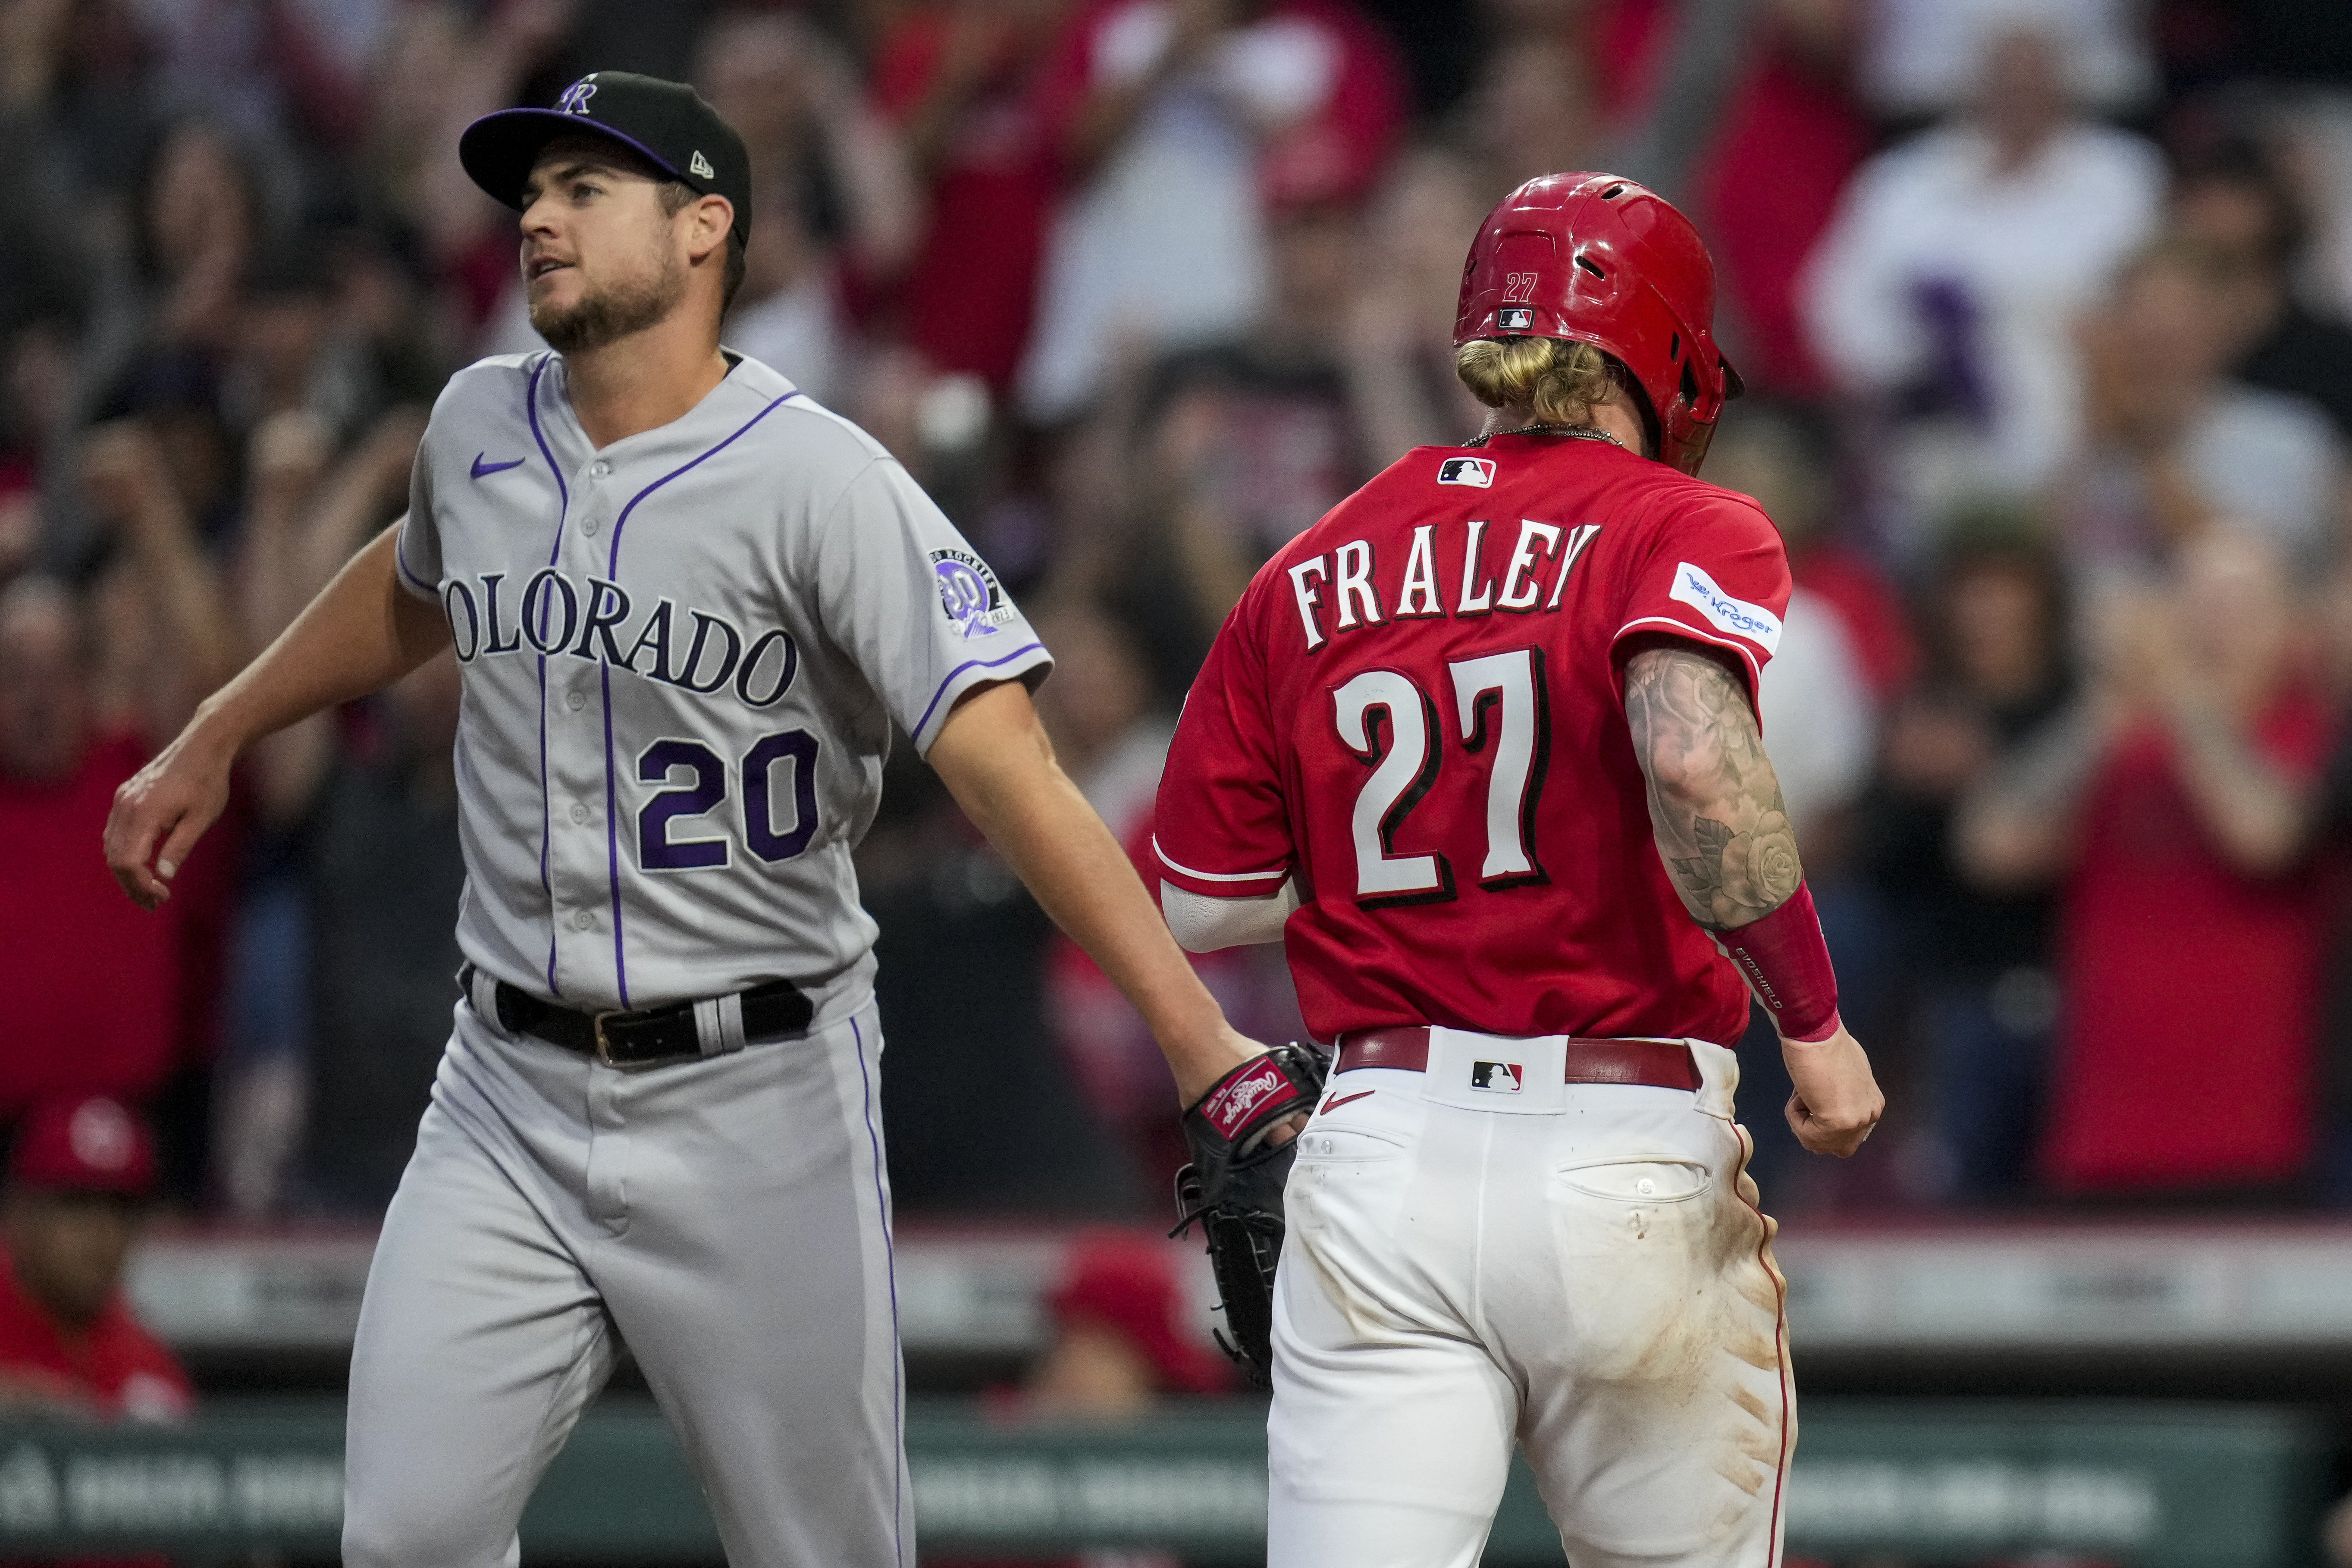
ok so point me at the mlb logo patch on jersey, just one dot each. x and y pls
(1496, 1078)
(969, 592)
(1478, 472)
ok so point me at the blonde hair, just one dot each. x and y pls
(1561, 380)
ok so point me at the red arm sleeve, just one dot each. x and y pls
(1222, 827)
(1718, 574)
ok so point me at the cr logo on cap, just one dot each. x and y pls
(576, 97)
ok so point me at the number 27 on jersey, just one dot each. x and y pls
(1389, 722)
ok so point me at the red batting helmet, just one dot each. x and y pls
(1598, 260)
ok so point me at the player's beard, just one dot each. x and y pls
(611, 313)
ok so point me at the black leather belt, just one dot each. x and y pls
(651, 1036)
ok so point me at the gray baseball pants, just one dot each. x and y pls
(728, 1219)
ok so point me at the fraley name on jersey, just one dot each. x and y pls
(1343, 589)
(551, 616)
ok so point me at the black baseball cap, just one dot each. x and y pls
(666, 122)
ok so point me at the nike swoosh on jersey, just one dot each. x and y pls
(1337, 1100)
(481, 468)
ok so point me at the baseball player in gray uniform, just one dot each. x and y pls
(688, 604)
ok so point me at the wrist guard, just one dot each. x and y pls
(1787, 964)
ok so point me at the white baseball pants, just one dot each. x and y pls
(728, 1219)
(1581, 1267)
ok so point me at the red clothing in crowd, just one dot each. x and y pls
(972, 286)
(2186, 1053)
(104, 996)
(1868, 607)
(1789, 136)
(116, 1367)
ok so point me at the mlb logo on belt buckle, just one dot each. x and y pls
(1478, 472)
(1496, 1078)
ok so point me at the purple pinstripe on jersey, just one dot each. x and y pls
(563, 500)
(613, 557)
(970, 664)
(613, 844)
(401, 561)
(890, 1261)
(612, 807)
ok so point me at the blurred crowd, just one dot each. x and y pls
(2042, 306)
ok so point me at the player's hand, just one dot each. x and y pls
(1836, 1102)
(1195, 1078)
(161, 810)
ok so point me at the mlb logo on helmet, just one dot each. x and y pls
(1478, 472)
(1497, 1077)
(1515, 319)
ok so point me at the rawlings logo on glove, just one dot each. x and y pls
(1233, 1188)
(1228, 1106)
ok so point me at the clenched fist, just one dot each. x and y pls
(1836, 1102)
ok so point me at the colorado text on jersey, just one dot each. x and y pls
(1350, 573)
(551, 609)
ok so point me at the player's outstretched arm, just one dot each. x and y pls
(997, 762)
(363, 631)
(1723, 831)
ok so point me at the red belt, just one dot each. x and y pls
(1658, 1064)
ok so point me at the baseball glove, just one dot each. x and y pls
(1233, 1188)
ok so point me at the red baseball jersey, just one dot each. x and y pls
(1415, 711)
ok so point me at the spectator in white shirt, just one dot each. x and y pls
(1169, 113)
(1943, 296)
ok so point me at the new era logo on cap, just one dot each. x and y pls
(1478, 472)
(700, 166)
(1496, 1078)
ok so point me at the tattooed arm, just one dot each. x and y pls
(1723, 831)
(1715, 802)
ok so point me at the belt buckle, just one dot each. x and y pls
(604, 1050)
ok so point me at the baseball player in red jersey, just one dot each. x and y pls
(1481, 748)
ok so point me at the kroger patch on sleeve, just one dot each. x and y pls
(1760, 625)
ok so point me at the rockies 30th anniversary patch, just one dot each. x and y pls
(969, 592)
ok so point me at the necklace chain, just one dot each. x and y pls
(1579, 432)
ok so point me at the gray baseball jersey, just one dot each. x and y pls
(682, 655)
